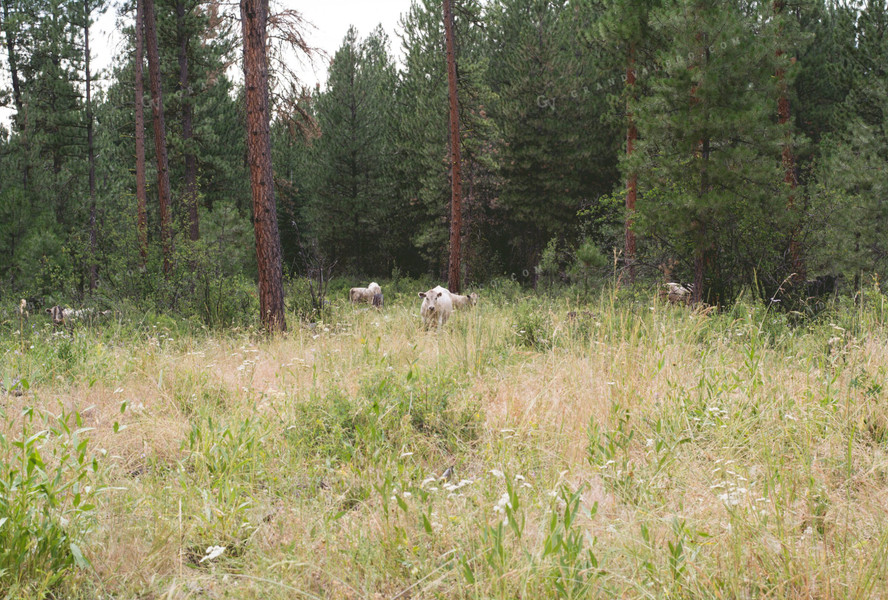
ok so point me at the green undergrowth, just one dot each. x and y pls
(536, 447)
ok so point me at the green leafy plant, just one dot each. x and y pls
(533, 327)
(575, 567)
(47, 501)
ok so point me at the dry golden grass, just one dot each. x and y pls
(728, 455)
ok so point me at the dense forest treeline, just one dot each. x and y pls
(728, 144)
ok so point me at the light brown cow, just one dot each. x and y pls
(60, 315)
(372, 294)
(676, 293)
(464, 301)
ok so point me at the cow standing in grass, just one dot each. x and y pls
(437, 306)
(62, 316)
(372, 294)
(463, 301)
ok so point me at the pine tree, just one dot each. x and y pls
(160, 142)
(93, 267)
(852, 188)
(254, 21)
(624, 28)
(189, 196)
(198, 48)
(423, 142)
(455, 160)
(139, 118)
(557, 154)
(45, 44)
(710, 148)
(421, 138)
(352, 186)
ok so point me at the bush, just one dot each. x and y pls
(533, 327)
(547, 271)
(46, 506)
(588, 260)
(387, 414)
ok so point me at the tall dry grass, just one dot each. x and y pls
(618, 448)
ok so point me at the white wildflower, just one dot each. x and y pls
(502, 503)
(213, 552)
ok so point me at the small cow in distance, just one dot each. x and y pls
(436, 308)
(61, 316)
(676, 293)
(372, 294)
(464, 301)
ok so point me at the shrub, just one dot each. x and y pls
(588, 259)
(533, 326)
(46, 504)
(387, 413)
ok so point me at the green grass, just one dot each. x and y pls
(614, 448)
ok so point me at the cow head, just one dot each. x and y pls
(429, 302)
(57, 313)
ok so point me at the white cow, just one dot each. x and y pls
(464, 301)
(372, 294)
(436, 308)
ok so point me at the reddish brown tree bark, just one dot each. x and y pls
(190, 194)
(91, 154)
(455, 173)
(160, 146)
(788, 158)
(254, 21)
(632, 180)
(141, 191)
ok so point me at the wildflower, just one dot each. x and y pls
(213, 552)
(502, 503)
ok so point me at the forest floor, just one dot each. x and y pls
(622, 448)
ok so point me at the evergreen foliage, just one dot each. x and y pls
(361, 166)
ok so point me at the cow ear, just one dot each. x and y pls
(48, 311)
(422, 294)
(439, 294)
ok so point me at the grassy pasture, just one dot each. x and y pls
(620, 448)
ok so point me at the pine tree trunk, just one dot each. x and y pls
(91, 156)
(456, 181)
(141, 192)
(632, 180)
(788, 158)
(190, 199)
(254, 20)
(163, 171)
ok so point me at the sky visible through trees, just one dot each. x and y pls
(732, 145)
